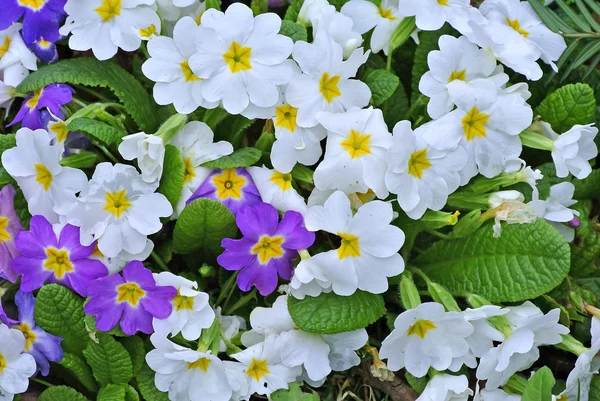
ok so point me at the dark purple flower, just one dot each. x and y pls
(267, 248)
(574, 222)
(51, 97)
(44, 50)
(41, 18)
(44, 347)
(10, 226)
(133, 298)
(48, 257)
(233, 187)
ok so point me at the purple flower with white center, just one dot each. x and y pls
(233, 187)
(51, 97)
(41, 18)
(44, 50)
(48, 257)
(133, 298)
(44, 347)
(10, 226)
(267, 248)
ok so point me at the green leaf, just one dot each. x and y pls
(527, 261)
(396, 107)
(171, 181)
(302, 173)
(131, 394)
(294, 393)
(259, 6)
(112, 392)
(145, 381)
(409, 294)
(214, 117)
(232, 129)
(105, 133)
(61, 393)
(81, 370)
(291, 14)
(539, 387)
(588, 187)
(595, 389)
(7, 141)
(91, 72)
(585, 250)
(244, 157)
(417, 383)
(135, 347)
(216, 4)
(80, 160)
(293, 30)
(202, 225)
(382, 83)
(60, 312)
(331, 313)
(569, 105)
(109, 360)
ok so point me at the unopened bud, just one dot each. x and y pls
(592, 310)
(434, 219)
(207, 270)
(468, 224)
(575, 222)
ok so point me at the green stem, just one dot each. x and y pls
(516, 384)
(92, 92)
(163, 266)
(580, 35)
(42, 382)
(438, 234)
(420, 274)
(79, 102)
(234, 348)
(388, 64)
(107, 153)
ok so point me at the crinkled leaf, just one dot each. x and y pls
(109, 360)
(569, 105)
(585, 250)
(330, 313)
(7, 141)
(589, 187)
(80, 160)
(527, 261)
(232, 129)
(396, 107)
(240, 158)
(81, 370)
(302, 173)
(145, 381)
(171, 181)
(61, 393)
(259, 6)
(98, 130)
(291, 14)
(294, 30)
(131, 394)
(135, 347)
(382, 83)
(294, 393)
(539, 386)
(112, 392)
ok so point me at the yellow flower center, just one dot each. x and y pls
(458, 75)
(202, 364)
(30, 336)
(285, 117)
(60, 129)
(562, 397)
(35, 99)
(4, 234)
(257, 369)
(442, 2)
(238, 57)
(229, 184)
(58, 261)
(357, 144)
(117, 203)
(418, 163)
(365, 197)
(190, 173)
(2, 363)
(420, 328)
(349, 246)
(130, 293)
(188, 74)
(97, 252)
(109, 9)
(386, 13)
(32, 4)
(43, 176)
(5, 46)
(284, 181)
(267, 248)
(147, 33)
(514, 24)
(474, 124)
(198, 18)
(329, 87)
(182, 302)
(44, 44)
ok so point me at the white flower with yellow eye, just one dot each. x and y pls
(325, 83)
(119, 210)
(48, 187)
(241, 58)
(169, 67)
(443, 387)
(276, 188)
(424, 337)
(191, 311)
(357, 142)
(195, 143)
(339, 27)
(16, 366)
(115, 264)
(15, 57)
(108, 25)
(310, 10)
(366, 16)
(420, 175)
(432, 14)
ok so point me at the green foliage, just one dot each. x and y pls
(171, 182)
(382, 83)
(595, 389)
(291, 14)
(112, 392)
(145, 382)
(7, 141)
(294, 393)
(135, 348)
(259, 6)
(539, 387)
(232, 129)
(91, 72)
(330, 313)
(294, 30)
(396, 107)
(97, 130)
(569, 105)
(302, 173)
(417, 383)
(585, 250)
(216, 4)
(90, 324)
(131, 394)
(109, 360)
(588, 187)
(81, 370)
(409, 294)
(61, 393)
(244, 157)
(84, 159)
(527, 261)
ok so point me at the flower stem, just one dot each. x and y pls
(107, 153)
(438, 234)
(163, 266)
(42, 382)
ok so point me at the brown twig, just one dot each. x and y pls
(397, 389)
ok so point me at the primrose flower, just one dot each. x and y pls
(44, 50)
(233, 187)
(14, 54)
(115, 264)
(339, 27)
(366, 16)
(52, 257)
(493, 395)
(8, 82)
(132, 297)
(446, 387)
(267, 248)
(148, 150)
(524, 173)
(555, 209)
(310, 10)
(17, 366)
(51, 97)
(10, 226)
(41, 18)
(432, 14)
(276, 188)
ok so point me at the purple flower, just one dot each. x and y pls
(4, 317)
(41, 18)
(133, 298)
(10, 226)
(233, 187)
(51, 97)
(48, 257)
(44, 50)
(267, 248)
(44, 347)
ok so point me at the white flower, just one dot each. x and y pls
(115, 264)
(266, 373)
(241, 59)
(555, 209)
(276, 188)
(425, 337)
(196, 144)
(368, 253)
(119, 209)
(422, 176)
(48, 187)
(325, 83)
(357, 199)
(174, 10)
(357, 141)
(191, 311)
(366, 16)
(518, 167)
(230, 327)
(14, 54)
(148, 150)
(108, 25)
(493, 395)
(432, 14)
(169, 67)
(310, 10)
(443, 387)
(339, 27)
(580, 378)
(16, 367)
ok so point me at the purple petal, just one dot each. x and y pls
(135, 272)
(11, 12)
(33, 274)
(256, 221)
(237, 253)
(8, 251)
(41, 24)
(284, 265)
(86, 270)
(70, 240)
(54, 96)
(48, 345)
(26, 304)
(157, 301)
(33, 243)
(296, 236)
(108, 319)
(135, 319)
(105, 287)
(263, 277)
(43, 365)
